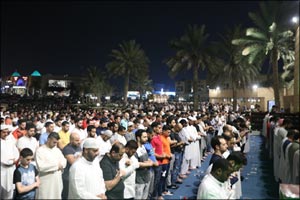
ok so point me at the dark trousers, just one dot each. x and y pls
(157, 175)
(65, 191)
(176, 166)
(163, 178)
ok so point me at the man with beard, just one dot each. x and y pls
(129, 163)
(79, 129)
(143, 172)
(64, 135)
(50, 162)
(20, 131)
(91, 131)
(72, 152)
(9, 158)
(213, 185)
(85, 176)
(111, 172)
(44, 136)
(28, 141)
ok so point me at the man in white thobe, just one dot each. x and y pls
(213, 185)
(85, 176)
(185, 136)
(50, 163)
(9, 157)
(28, 141)
(196, 156)
(129, 164)
(104, 144)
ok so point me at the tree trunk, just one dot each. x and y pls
(141, 94)
(234, 97)
(195, 87)
(126, 86)
(274, 64)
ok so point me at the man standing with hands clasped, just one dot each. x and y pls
(50, 162)
(85, 176)
(9, 157)
(111, 172)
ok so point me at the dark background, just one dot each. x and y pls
(69, 36)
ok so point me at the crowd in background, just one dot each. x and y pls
(282, 143)
(137, 153)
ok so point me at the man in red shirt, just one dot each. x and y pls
(158, 151)
(20, 131)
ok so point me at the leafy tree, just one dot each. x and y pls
(129, 62)
(142, 84)
(288, 74)
(269, 40)
(95, 83)
(191, 53)
(229, 64)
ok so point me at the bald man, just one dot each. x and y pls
(72, 152)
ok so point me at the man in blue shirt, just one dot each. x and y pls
(152, 157)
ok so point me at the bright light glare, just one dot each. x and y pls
(218, 88)
(295, 20)
(254, 87)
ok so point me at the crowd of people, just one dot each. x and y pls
(138, 153)
(282, 143)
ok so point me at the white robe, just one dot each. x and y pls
(47, 161)
(185, 136)
(282, 163)
(280, 134)
(211, 188)
(195, 147)
(9, 151)
(287, 174)
(28, 142)
(188, 152)
(81, 132)
(118, 137)
(295, 174)
(104, 147)
(129, 181)
(85, 180)
(275, 153)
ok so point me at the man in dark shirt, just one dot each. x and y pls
(219, 145)
(71, 152)
(112, 174)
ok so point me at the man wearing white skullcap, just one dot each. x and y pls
(86, 177)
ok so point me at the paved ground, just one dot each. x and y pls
(258, 180)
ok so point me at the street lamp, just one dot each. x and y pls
(295, 20)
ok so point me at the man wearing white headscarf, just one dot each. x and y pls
(9, 157)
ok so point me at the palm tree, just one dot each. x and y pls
(191, 53)
(142, 84)
(230, 65)
(288, 74)
(129, 61)
(268, 40)
(95, 83)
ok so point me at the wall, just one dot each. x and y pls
(246, 97)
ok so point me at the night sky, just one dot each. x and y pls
(67, 37)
